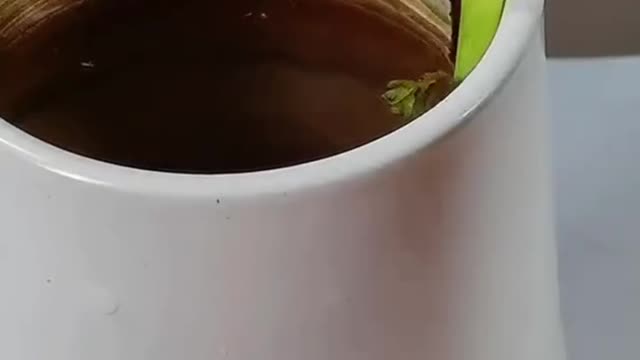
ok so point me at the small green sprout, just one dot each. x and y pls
(410, 99)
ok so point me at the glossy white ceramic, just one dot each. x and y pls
(435, 242)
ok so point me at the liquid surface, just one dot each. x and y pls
(209, 86)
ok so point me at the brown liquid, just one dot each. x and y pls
(209, 86)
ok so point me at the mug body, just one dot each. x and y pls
(417, 246)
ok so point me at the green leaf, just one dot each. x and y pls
(479, 20)
(410, 99)
(398, 92)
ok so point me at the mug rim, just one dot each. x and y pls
(516, 29)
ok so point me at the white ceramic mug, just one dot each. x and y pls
(429, 243)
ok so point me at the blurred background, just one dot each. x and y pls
(593, 27)
(594, 72)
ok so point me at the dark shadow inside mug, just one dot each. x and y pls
(208, 86)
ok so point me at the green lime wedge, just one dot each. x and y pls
(479, 20)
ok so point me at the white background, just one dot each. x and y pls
(596, 118)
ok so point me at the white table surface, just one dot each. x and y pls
(596, 116)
